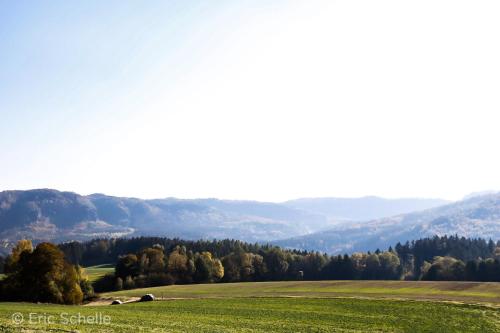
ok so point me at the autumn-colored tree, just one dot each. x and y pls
(85, 284)
(217, 270)
(152, 260)
(446, 268)
(390, 267)
(11, 264)
(127, 265)
(243, 266)
(178, 263)
(70, 285)
(41, 276)
(208, 269)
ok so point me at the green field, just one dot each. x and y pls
(470, 292)
(271, 315)
(96, 272)
(324, 306)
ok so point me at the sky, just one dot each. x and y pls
(263, 100)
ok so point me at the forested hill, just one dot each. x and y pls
(59, 216)
(478, 216)
(147, 261)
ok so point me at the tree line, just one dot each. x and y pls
(108, 250)
(53, 273)
(168, 261)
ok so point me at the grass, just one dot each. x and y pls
(264, 315)
(96, 272)
(321, 306)
(471, 292)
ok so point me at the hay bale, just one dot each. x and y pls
(117, 302)
(147, 298)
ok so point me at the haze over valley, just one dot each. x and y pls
(331, 225)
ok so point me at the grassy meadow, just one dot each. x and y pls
(322, 306)
(96, 272)
(269, 315)
(470, 292)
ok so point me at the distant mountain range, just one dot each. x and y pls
(477, 216)
(47, 214)
(362, 209)
(54, 215)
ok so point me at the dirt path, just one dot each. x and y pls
(108, 301)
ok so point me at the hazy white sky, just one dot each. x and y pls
(266, 100)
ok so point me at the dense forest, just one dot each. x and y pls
(151, 261)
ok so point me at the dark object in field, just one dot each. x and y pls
(117, 302)
(147, 298)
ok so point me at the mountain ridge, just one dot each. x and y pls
(48, 214)
(363, 208)
(478, 216)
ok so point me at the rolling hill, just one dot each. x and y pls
(52, 215)
(478, 216)
(46, 214)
